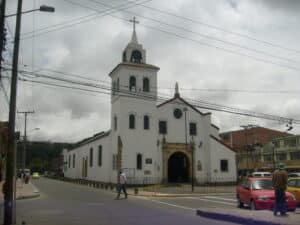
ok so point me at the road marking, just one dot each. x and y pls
(208, 200)
(226, 199)
(169, 204)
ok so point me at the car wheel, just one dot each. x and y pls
(252, 205)
(239, 203)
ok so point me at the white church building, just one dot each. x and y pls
(152, 143)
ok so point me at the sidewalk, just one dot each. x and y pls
(23, 191)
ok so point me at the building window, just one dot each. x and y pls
(295, 155)
(69, 161)
(91, 157)
(268, 158)
(114, 162)
(118, 84)
(146, 86)
(224, 165)
(100, 155)
(115, 123)
(132, 83)
(114, 87)
(163, 127)
(73, 160)
(146, 122)
(193, 129)
(281, 156)
(131, 121)
(148, 161)
(139, 161)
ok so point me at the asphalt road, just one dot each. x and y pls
(63, 203)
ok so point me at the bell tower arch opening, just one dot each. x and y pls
(178, 168)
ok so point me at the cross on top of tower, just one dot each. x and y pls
(134, 21)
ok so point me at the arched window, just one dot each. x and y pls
(139, 161)
(146, 87)
(131, 121)
(136, 56)
(146, 123)
(132, 83)
(115, 123)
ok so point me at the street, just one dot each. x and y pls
(67, 203)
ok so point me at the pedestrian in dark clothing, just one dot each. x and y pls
(122, 184)
(279, 180)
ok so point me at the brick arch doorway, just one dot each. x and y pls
(178, 168)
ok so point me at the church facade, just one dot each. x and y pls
(152, 143)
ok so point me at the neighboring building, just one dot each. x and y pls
(151, 143)
(246, 143)
(285, 150)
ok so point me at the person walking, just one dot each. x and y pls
(279, 180)
(122, 184)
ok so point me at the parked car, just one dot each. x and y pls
(294, 175)
(35, 175)
(261, 174)
(258, 193)
(294, 187)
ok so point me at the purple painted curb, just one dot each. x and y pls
(233, 218)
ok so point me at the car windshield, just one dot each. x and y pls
(262, 185)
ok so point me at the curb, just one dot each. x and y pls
(28, 196)
(233, 218)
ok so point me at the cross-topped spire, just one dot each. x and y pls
(134, 21)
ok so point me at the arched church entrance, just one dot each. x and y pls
(178, 168)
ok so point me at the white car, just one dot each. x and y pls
(290, 175)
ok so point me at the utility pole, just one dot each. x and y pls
(10, 184)
(246, 127)
(2, 32)
(23, 154)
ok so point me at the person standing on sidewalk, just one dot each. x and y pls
(122, 184)
(279, 180)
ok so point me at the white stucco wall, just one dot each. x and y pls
(219, 152)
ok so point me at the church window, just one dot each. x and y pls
(100, 155)
(148, 161)
(124, 56)
(69, 161)
(73, 160)
(139, 161)
(224, 165)
(91, 157)
(146, 123)
(118, 84)
(193, 129)
(132, 83)
(163, 127)
(146, 87)
(114, 162)
(136, 56)
(113, 87)
(131, 121)
(115, 123)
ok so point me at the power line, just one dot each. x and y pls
(197, 103)
(198, 33)
(220, 29)
(80, 20)
(211, 45)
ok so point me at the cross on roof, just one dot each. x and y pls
(134, 21)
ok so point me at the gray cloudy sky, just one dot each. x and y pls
(92, 49)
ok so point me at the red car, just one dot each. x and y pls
(258, 193)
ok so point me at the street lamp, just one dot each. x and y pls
(43, 8)
(9, 190)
